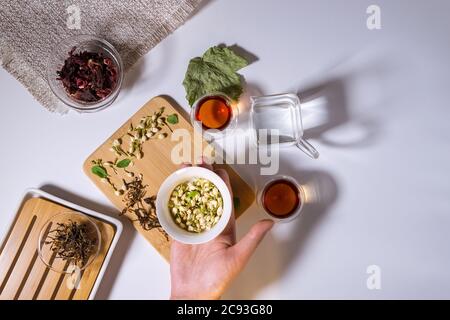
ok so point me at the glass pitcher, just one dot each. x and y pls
(279, 117)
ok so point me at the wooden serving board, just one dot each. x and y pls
(155, 166)
(24, 276)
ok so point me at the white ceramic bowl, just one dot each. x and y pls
(165, 216)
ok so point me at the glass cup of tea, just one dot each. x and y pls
(214, 115)
(282, 198)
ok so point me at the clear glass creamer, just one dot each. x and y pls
(277, 119)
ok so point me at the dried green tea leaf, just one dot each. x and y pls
(192, 194)
(172, 119)
(214, 72)
(123, 163)
(99, 171)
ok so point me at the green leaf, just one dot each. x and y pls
(224, 58)
(236, 203)
(214, 72)
(172, 119)
(123, 163)
(192, 194)
(99, 171)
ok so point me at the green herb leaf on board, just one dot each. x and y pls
(172, 119)
(99, 171)
(123, 163)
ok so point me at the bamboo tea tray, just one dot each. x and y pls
(22, 273)
(155, 166)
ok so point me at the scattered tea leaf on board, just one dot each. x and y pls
(123, 163)
(172, 119)
(236, 203)
(99, 171)
(134, 198)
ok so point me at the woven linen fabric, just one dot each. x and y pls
(29, 30)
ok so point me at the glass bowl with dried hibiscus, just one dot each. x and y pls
(86, 73)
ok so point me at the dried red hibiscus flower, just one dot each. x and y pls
(88, 76)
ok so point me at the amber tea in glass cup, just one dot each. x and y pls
(282, 198)
(214, 115)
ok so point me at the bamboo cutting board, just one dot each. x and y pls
(24, 276)
(155, 166)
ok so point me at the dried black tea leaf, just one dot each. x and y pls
(72, 242)
(141, 207)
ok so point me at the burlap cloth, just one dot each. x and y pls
(30, 29)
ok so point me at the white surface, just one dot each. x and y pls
(382, 180)
(165, 216)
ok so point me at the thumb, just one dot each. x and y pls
(243, 250)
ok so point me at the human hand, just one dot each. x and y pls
(204, 271)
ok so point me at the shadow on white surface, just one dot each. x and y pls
(128, 234)
(251, 89)
(330, 99)
(286, 242)
(329, 105)
(326, 111)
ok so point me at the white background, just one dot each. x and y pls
(381, 184)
